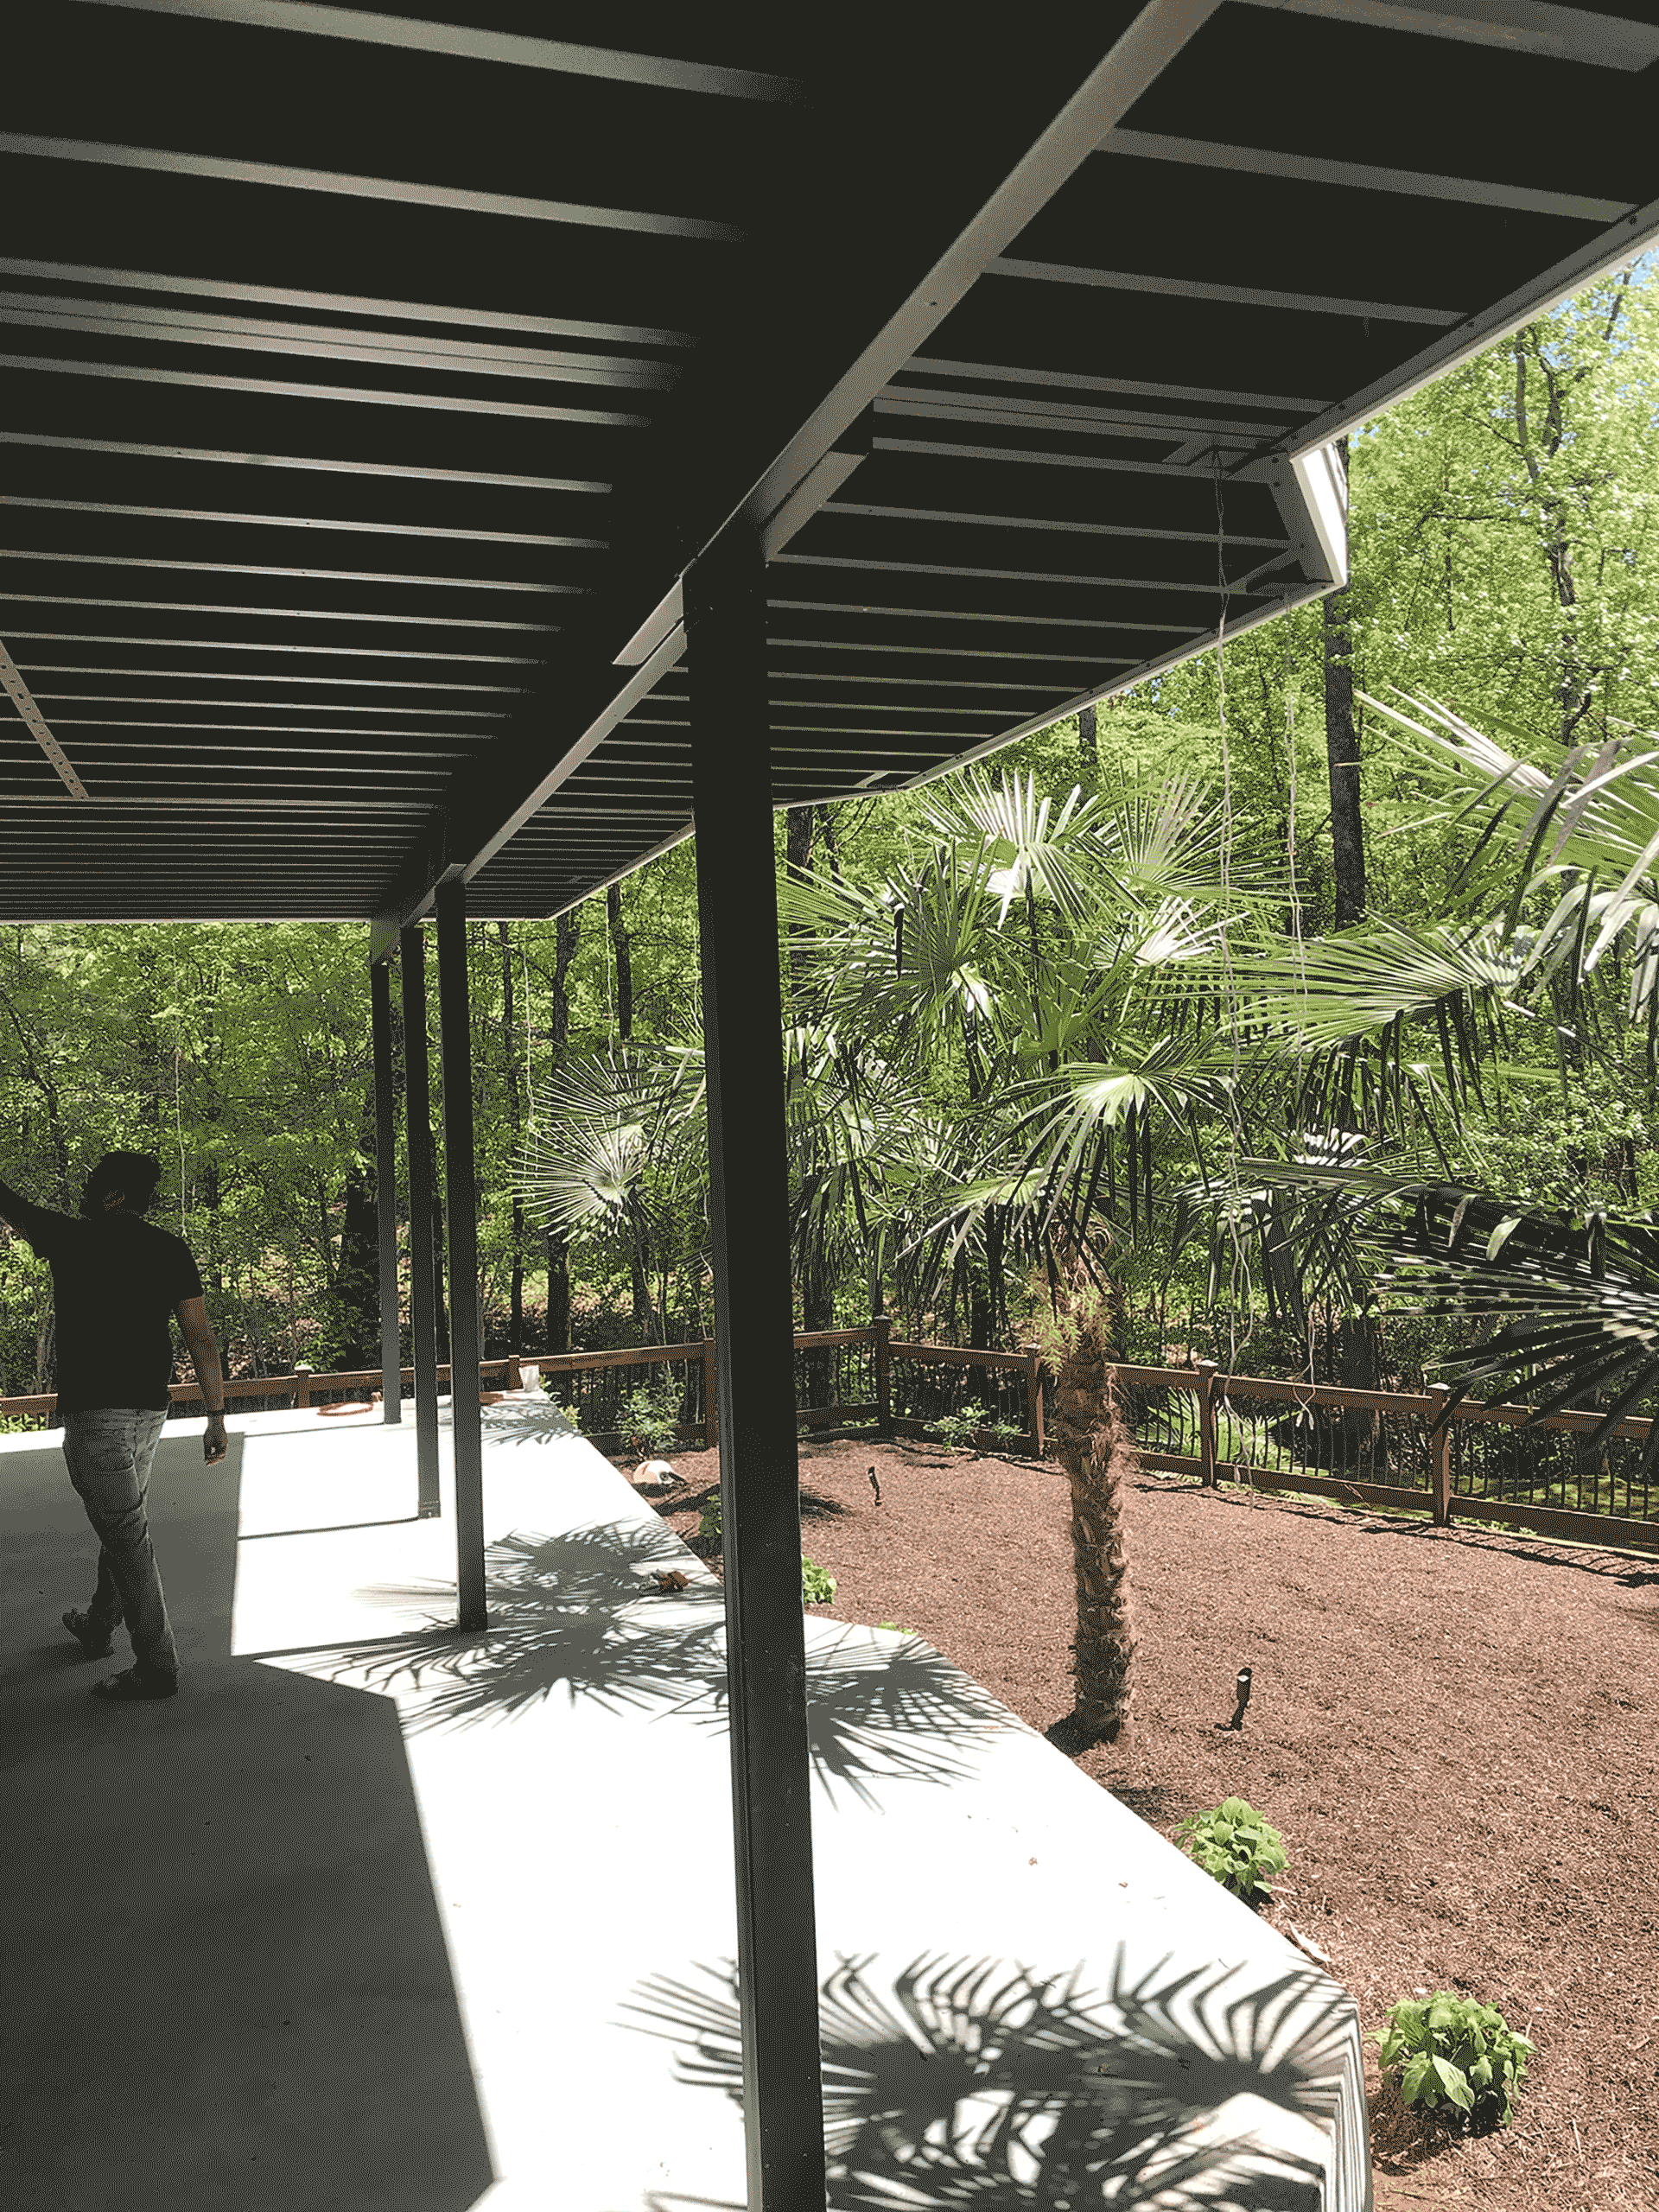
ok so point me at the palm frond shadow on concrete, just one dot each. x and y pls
(976, 2084)
(568, 1614)
(572, 1615)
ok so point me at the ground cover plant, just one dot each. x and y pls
(1468, 1804)
(1455, 2056)
(1234, 1842)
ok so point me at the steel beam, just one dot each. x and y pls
(172, 162)
(422, 1259)
(385, 1192)
(760, 1475)
(460, 1188)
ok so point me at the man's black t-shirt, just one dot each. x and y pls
(115, 1280)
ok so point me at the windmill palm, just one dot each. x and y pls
(1558, 891)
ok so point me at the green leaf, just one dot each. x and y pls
(1414, 2083)
(1451, 2079)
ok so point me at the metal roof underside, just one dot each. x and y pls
(368, 382)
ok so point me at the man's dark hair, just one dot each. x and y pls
(136, 1175)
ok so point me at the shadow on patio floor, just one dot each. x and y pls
(570, 1615)
(229, 1981)
(974, 2083)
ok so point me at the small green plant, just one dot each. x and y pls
(817, 1586)
(959, 1430)
(894, 1626)
(708, 1529)
(1234, 1844)
(651, 1416)
(1455, 2051)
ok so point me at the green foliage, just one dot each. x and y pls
(709, 1522)
(1236, 1844)
(817, 1586)
(1453, 2054)
(650, 1416)
(959, 1431)
(894, 1626)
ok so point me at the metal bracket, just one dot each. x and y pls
(35, 721)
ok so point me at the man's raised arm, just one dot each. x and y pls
(204, 1353)
(25, 1217)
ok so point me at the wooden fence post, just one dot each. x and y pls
(1440, 1439)
(303, 1378)
(710, 1396)
(882, 1328)
(1207, 1373)
(515, 1373)
(1035, 1392)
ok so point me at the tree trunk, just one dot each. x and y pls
(567, 931)
(1089, 747)
(623, 949)
(1098, 1455)
(798, 824)
(1341, 752)
(515, 1120)
(356, 1280)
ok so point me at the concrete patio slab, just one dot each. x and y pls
(460, 1930)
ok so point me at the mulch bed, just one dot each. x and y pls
(1454, 1731)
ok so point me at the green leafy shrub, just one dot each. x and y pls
(1451, 2051)
(1234, 1844)
(651, 1416)
(817, 1586)
(959, 1431)
(709, 1528)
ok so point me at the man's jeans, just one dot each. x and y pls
(110, 1450)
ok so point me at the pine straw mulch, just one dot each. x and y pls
(1454, 1731)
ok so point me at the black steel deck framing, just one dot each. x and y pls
(377, 389)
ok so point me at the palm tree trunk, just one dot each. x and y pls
(1098, 1455)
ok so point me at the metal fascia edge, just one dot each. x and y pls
(1623, 242)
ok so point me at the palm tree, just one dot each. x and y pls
(1097, 1452)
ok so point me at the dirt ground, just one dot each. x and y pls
(1454, 1732)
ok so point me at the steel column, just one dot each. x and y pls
(760, 1474)
(422, 1297)
(459, 1177)
(385, 1191)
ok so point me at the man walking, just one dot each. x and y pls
(116, 1279)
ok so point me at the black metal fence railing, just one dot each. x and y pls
(928, 1390)
(611, 1404)
(837, 1376)
(1397, 1448)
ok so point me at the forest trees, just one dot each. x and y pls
(993, 1017)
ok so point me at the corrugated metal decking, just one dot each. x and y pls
(368, 383)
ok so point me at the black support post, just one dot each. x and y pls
(422, 1281)
(459, 1177)
(385, 1190)
(759, 1475)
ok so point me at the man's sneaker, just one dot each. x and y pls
(94, 1642)
(134, 1686)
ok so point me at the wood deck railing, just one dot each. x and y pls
(817, 1348)
(1419, 1433)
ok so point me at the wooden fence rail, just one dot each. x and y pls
(1377, 1439)
(305, 1387)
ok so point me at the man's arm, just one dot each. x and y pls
(204, 1353)
(30, 1220)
